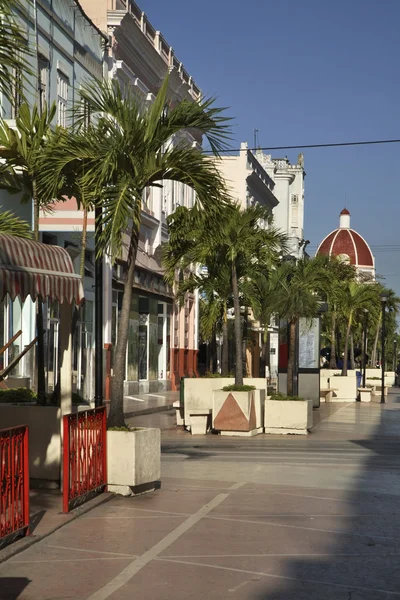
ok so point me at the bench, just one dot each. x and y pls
(199, 420)
(327, 393)
(179, 413)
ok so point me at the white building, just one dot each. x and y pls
(255, 177)
(289, 191)
(248, 181)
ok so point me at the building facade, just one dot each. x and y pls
(67, 50)
(289, 191)
(162, 344)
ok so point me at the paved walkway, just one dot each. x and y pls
(143, 404)
(265, 518)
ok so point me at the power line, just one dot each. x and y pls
(302, 146)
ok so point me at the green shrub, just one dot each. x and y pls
(125, 428)
(375, 378)
(283, 397)
(14, 395)
(238, 388)
(77, 399)
(209, 375)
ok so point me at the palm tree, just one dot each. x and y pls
(238, 250)
(14, 50)
(338, 271)
(126, 149)
(355, 296)
(21, 150)
(376, 311)
(297, 291)
(186, 227)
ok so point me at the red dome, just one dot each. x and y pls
(347, 243)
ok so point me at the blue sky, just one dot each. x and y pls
(302, 72)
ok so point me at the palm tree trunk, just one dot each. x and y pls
(264, 354)
(352, 359)
(225, 345)
(291, 357)
(238, 330)
(375, 347)
(346, 348)
(116, 415)
(332, 361)
(83, 243)
(41, 376)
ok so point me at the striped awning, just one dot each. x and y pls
(29, 268)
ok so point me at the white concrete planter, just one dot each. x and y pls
(199, 392)
(133, 460)
(377, 390)
(288, 416)
(44, 423)
(238, 413)
(345, 388)
(390, 376)
(365, 394)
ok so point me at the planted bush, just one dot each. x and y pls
(15, 395)
(283, 397)
(238, 388)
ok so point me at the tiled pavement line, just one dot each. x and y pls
(342, 586)
(139, 563)
(28, 541)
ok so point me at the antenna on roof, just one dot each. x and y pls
(256, 139)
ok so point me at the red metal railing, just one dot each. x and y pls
(85, 459)
(14, 483)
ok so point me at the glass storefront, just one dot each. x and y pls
(148, 338)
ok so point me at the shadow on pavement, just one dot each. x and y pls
(12, 587)
(362, 561)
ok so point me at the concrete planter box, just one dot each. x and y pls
(199, 392)
(364, 394)
(345, 388)
(238, 413)
(288, 416)
(376, 384)
(44, 439)
(390, 376)
(133, 461)
(377, 389)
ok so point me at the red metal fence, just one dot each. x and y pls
(14, 483)
(85, 459)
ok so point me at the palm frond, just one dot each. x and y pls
(12, 225)
(14, 49)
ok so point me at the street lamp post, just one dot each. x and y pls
(98, 315)
(365, 346)
(394, 354)
(384, 300)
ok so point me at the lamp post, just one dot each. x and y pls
(365, 346)
(384, 299)
(98, 315)
(394, 354)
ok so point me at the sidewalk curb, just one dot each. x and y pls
(149, 411)
(28, 541)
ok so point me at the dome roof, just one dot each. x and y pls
(347, 244)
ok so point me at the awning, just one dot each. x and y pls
(29, 268)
